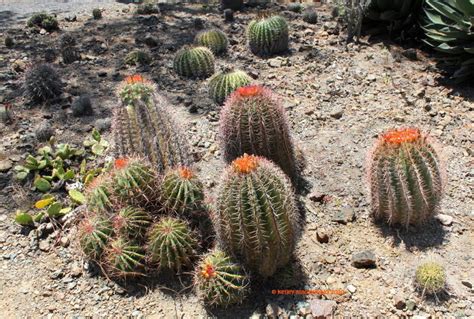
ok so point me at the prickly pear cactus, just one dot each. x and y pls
(197, 62)
(171, 244)
(219, 281)
(181, 191)
(94, 233)
(405, 177)
(253, 121)
(131, 222)
(256, 217)
(224, 83)
(214, 39)
(123, 258)
(267, 36)
(144, 125)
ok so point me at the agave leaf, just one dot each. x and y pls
(448, 11)
(465, 6)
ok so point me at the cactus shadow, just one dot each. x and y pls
(432, 234)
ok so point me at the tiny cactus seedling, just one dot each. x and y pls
(310, 16)
(195, 62)
(68, 48)
(295, 7)
(137, 57)
(430, 278)
(215, 40)
(224, 83)
(123, 258)
(253, 121)
(131, 222)
(256, 216)
(405, 177)
(268, 36)
(219, 281)
(144, 125)
(97, 14)
(172, 245)
(99, 195)
(43, 20)
(43, 83)
(9, 41)
(181, 191)
(94, 233)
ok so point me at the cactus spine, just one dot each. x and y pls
(181, 191)
(195, 62)
(405, 177)
(268, 36)
(252, 121)
(219, 281)
(98, 194)
(145, 126)
(131, 222)
(171, 244)
(214, 39)
(256, 215)
(94, 233)
(224, 83)
(123, 258)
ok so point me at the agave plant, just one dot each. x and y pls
(449, 28)
(394, 14)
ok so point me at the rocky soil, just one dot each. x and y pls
(338, 98)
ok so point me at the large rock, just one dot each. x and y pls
(322, 309)
(364, 259)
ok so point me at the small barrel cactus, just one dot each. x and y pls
(131, 222)
(430, 277)
(137, 57)
(144, 125)
(9, 42)
(98, 194)
(253, 121)
(405, 177)
(94, 233)
(97, 14)
(256, 216)
(43, 83)
(295, 7)
(268, 36)
(195, 62)
(219, 281)
(214, 39)
(171, 244)
(224, 83)
(135, 182)
(310, 16)
(123, 258)
(68, 48)
(181, 190)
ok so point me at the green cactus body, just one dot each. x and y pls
(172, 244)
(405, 178)
(137, 57)
(43, 20)
(123, 258)
(131, 222)
(145, 126)
(310, 16)
(252, 121)
(224, 83)
(256, 219)
(43, 83)
(219, 281)
(99, 194)
(97, 14)
(181, 191)
(268, 36)
(94, 233)
(214, 39)
(430, 277)
(195, 62)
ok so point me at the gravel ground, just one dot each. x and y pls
(338, 98)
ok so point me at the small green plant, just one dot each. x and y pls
(97, 14)
(95, 232)
(98, 146)
(171, 244)
(43, 20)
(223, 84)
(123, 259)
(219, 281)
(430, 278)
(197, 62)
(43, 83)
(214, 39)
(137, 57)
(267, 36)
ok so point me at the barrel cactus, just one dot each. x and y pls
(430, 277)
(97, 14)
(144, 125)
(69, 51)
(123, 258)
(197, 62)
(256, 217)
(98, 194)
(137, 57)
(224, 83)
(95, 231)
(214, 39)
(131, 222)
(43, 83)
(219, 281)
(268, 36)
(253, 121)
(310, 16)
(181, 191)
(171, 245)
(405, 177)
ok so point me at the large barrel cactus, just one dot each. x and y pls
(268, 36)
(253, 121)
(256, 217)
(224, 83)
(219, 281)
(214, 39)
(405, 177)
(195, 62)
(144, 125)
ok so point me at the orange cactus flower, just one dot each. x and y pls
(185, 173)
(400, 136)
(208, 271)
(120, 163)
(245, 164)
(250, 90)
